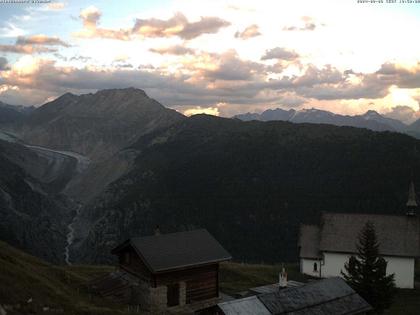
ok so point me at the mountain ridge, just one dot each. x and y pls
(371, 119)
(95, 124)
(10, 114)
(248, 183)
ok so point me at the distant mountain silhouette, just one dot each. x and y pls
(370, 120)
(13, 113)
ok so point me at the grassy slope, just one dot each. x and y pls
(23, 276)
(237, 277)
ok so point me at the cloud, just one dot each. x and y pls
(4, 64)
(204, 79)
(56, 6)
(81, 58)
(307, 24)
(173, 50)
(326, 75)
(121, 61)
(49, 79)
(369, 88)
(41, 40)
(11, 30)
(178, 25)
(403, 113)
(291, 100)
(121, 58)
(228, 66)
(280, 53)
(90, 17)
(202, 110)
(400, 76)
(33, 44)
(248, 32)
(329, 83)
(25, 49)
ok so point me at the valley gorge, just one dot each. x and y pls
(67, 162)
(83, 173)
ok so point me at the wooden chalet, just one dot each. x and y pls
(173, 271)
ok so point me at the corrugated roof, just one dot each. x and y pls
(324, 297)
(269, 288)
(397, 235)
(246, 306)
(179, 250)
(309, 241)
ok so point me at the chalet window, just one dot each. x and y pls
(172, 294)
(315, 267)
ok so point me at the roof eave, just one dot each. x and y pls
(120, 247)
(187, 266)
(382, 254)
(148, 266)
(311, 257)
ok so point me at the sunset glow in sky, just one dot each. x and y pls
(219, 57)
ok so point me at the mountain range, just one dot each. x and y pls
(96, 125)
(13, 113)
(371, 119)
(89, 171)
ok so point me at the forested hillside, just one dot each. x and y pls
(250, 183)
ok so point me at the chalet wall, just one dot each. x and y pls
(307, 267)
(333, 264)
(403, 268)
(149, 299)
(201, 283)
(198, 286)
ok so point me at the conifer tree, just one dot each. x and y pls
(366, 272)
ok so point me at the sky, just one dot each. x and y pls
(217, 57)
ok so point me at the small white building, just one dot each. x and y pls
(324, 249)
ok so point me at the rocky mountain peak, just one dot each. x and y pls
(96, 124)
(371, 114)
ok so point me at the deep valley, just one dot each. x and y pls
(70, 200)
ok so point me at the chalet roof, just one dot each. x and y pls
(329, 296)
(397, 235)
(269, 288)
(177, 250)
(245, 306)
(309, 241)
